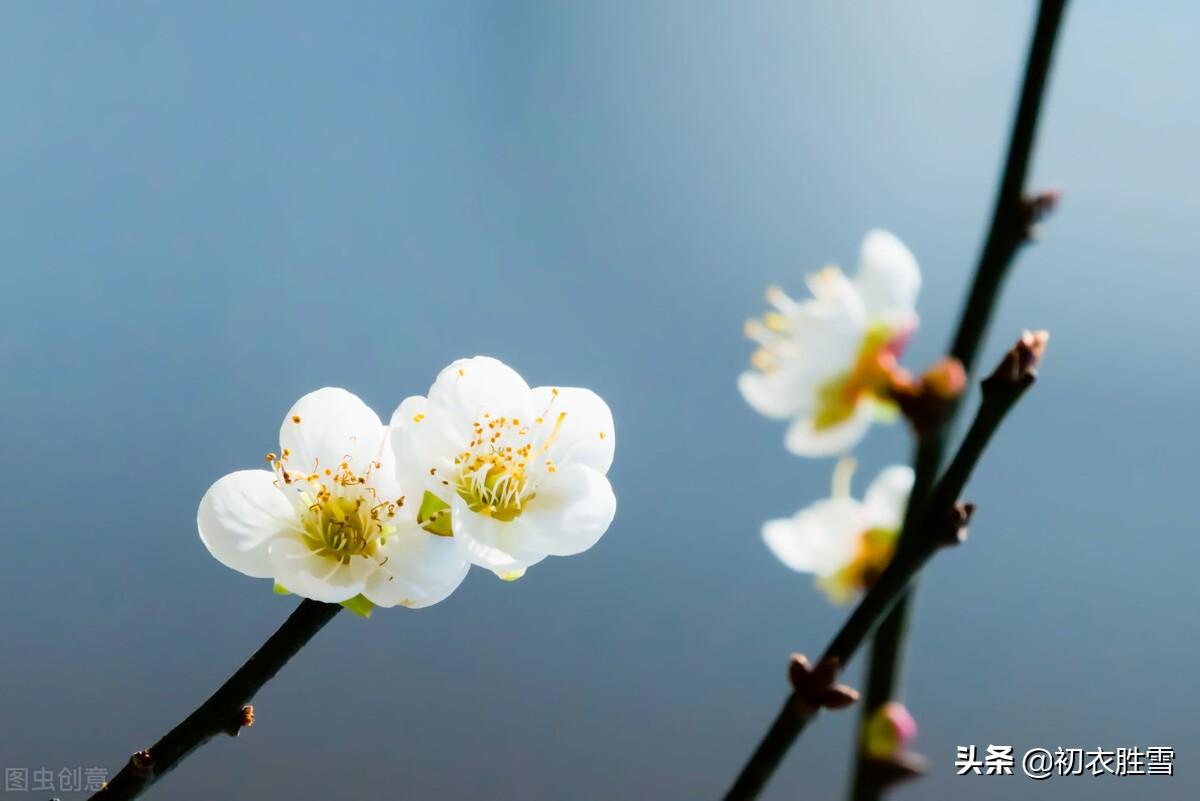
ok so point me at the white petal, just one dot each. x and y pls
(827, 331)
(803, 439)
(586, 435)
(778, 394)
(888, 278)
(821, 341)
(239, 516)
(573, 508)
(328, 426)
(887, 497)
(418, 569)
(418, 443)
(491, 543)
(470, 388)
(320, 578)
(836, 309)
(411, 411)
(820, 538)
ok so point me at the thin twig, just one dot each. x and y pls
(943, 522)
(1013, 220)
(225, 712)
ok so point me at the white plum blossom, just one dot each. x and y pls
(329, 521)
(825, 362)
(846, 543)
(513, 474)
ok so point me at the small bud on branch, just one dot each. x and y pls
(955, 522)
(928, 402)
(243, 719)
(1019, 367)
(1037, 208)
(817, 687)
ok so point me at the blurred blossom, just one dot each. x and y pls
(846, 543)
(826, 363)
(513, 474)
(330, 521)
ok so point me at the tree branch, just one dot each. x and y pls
(943, 522)
(225, 712)
(1013, 221)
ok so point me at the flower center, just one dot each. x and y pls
(495, 484)
(343, 515)
(874, 551)
(871, 376)
(498, 473)
(341, 526)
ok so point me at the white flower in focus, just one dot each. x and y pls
(825, 362)
(846, 543)
(514, 474)
(329, 521)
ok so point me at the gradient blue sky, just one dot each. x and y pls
(209, 209)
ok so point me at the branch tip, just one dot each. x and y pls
(1018, 369)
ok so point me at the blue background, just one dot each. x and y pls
(207, 210)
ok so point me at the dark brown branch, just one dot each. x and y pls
(1014, 214)
(226, 711)
(1014, 222)
(942, 523)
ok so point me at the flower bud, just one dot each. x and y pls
(888, 731)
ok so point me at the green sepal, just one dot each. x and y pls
(281, 590)
(359, 606)
(434, 515)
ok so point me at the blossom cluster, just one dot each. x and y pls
(829, 365)
(483, 470)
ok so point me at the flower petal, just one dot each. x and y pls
(586, 435)
(419, 443)
(418, 569)
(573, 508)
(470, 388)
(779, 393)
(887, 497)
(239, 516)
(491, 543)
(888, 278)
(328, 426)
(411, 411)
(818, 340)
(320, 578)
(804, 439)
(820, 539)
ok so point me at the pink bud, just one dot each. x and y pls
(888, 731)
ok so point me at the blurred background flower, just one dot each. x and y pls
(827, 361)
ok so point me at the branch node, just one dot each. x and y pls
(243, 719)
(927, 402)
(953, 529)
(142, 763)
(817, 688)
(1037, 207)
